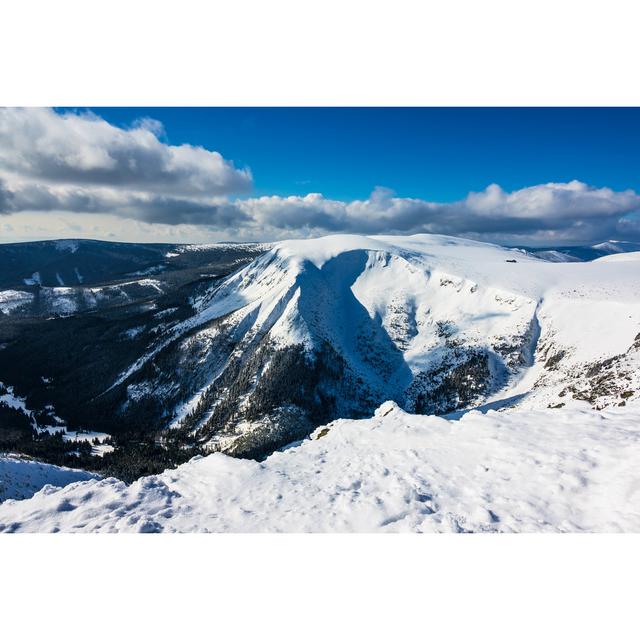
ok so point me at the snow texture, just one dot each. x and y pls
(568, 334)
(528, 471)
(405, 303)
(21, 478)
(10, 300)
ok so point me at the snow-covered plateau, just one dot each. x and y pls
(523, 471)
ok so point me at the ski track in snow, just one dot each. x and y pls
(546, 470)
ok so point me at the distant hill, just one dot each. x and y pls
(583, 253)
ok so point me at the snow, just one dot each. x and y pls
(130, 334)
(552, 255)
(306, 290)
(149, 270)
(589, 327)
(633, 256)
(67, 245)
(182, 410)
(21, 477)
(9, 398)
(148, 282)
(143, 282)
(11, 300)
(80, 436)
(617, 246)
(64, 301)
(386, 298)
(15, 402)
(165, 312)
(528, 471)
(35, 279)
(89, 436)
(246, 246)
(60, 300)
(527, 467)
(407, 264)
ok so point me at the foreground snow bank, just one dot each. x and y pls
(546, 470)
(21, 478)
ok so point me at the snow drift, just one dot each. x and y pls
(527, 471)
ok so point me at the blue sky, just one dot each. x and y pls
(432, 153)
(536, 177)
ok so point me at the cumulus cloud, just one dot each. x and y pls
(79, 162)
(143, 206)
(550, 213)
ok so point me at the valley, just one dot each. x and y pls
(246, 350)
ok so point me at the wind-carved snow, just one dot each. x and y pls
(544, 470)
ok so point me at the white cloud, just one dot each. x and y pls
(549, 213)
(79, 162)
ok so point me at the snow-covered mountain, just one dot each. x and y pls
(67, 277)
(525, 471)
(72, 263)
(315, 330)
(581, 253)
(313, 337)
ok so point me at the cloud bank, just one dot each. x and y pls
(550, 213)
(80, 164)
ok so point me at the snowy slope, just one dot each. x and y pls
(11, 300)
(10, 399)
(311, 289)
(21, 478)
(435, 323)
(65, 301)
(329, 328)
(314, 330)
(545, 470)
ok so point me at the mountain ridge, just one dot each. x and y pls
(434, 323)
